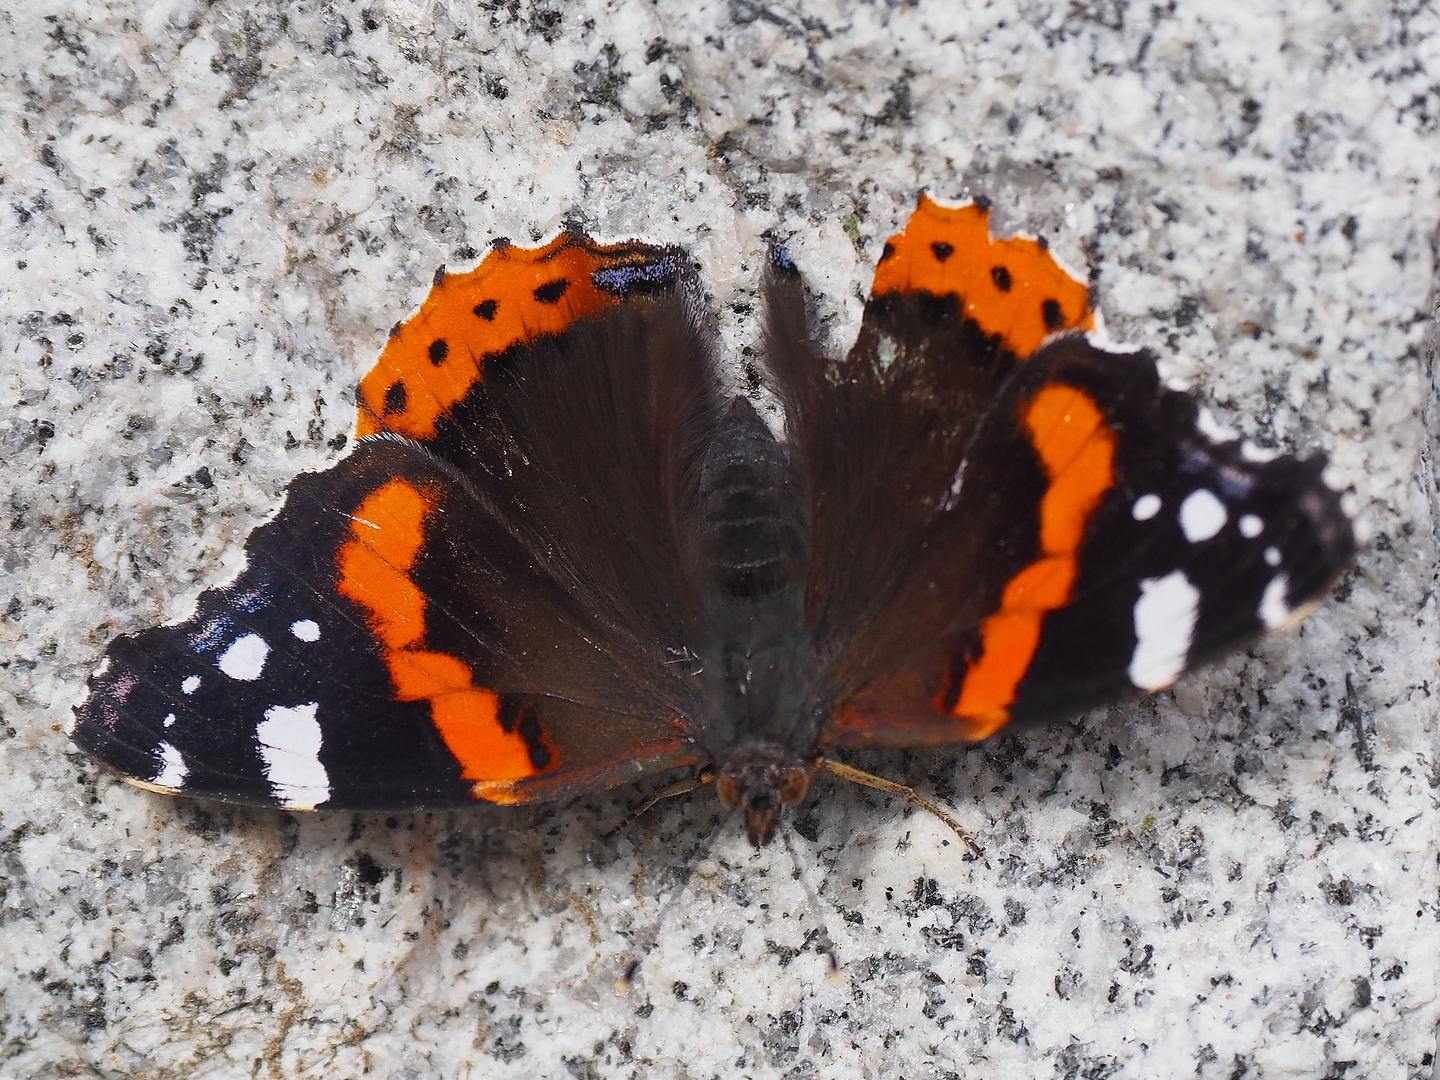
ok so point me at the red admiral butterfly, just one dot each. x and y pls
(561, 557)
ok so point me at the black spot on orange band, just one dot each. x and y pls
(1051, 313)
(519, 717)
(551, 291)
(1001, 277)
(942, 250)
(486, 310)
(439, 350)
(395, 398)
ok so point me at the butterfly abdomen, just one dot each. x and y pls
(752, 535)
(752, 546)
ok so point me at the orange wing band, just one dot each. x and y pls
(514, 296)
(1077, 451)
(387, 532)
(1011, 288)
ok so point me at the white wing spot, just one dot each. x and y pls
(173, 769)
(169, 719)
(885, 353)
(190, 685)
(1272, 556)
(1251, 526)
(1202, 515)
(1146, 507)
(1275, 611)
(306, 630)
(245, 658)
(289, 744)
(1164, 627)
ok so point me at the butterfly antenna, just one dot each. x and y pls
(648, 939)
(669, 791)
(814, 902)
(879, 783)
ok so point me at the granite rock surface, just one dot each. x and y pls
(211, 213)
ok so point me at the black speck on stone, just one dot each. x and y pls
(1362, 993)
(92, 1014)
(1187, 311)
(368, 871)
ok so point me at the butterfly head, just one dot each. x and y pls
(762, 781)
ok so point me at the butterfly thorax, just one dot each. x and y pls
(753, 642)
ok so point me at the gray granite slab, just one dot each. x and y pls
(211, 213)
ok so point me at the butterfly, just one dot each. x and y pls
(561, 556)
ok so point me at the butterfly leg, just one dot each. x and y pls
(879, 783)
(669, 791)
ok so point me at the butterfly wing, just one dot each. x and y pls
(1010, 531)
(479, 601)
(1142, 548)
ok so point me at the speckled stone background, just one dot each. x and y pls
(211, 212)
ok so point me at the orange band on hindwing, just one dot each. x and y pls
(514, 296)
(1011, 288)
(1077, 451)
(387, 533)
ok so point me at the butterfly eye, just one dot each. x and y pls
(728, 788)
(793, 785)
